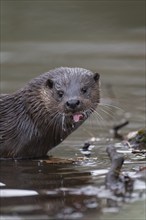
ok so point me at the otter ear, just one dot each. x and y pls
(96, 76)
(50, 83)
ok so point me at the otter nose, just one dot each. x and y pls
(73, 103)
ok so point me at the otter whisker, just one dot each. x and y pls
(109, 109)
(88, 112)
(110, 106)
(107, 113)
(95, 116)
(98, 115)
(99, 121)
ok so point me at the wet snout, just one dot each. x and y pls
(73, 104)
(74, 108)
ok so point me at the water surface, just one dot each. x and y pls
(106, 37)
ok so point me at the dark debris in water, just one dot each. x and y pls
(135, 140)
(116, 129)
(119, 184)
(86, 149)
(138, 140)
(86, 146)
(64, 192)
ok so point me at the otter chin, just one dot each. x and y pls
(38, 117)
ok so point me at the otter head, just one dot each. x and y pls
(48, 109)
(73, 93)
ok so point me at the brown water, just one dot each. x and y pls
(104, 36)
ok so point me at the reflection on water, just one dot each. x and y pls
(60, 191)
(104, 36)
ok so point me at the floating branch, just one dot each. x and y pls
(117, 183)
(117, 128)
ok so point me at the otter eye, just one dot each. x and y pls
(84, 90)
(60, 93)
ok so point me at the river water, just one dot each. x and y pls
(106, 37)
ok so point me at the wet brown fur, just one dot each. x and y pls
(35, 119)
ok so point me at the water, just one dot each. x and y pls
(106, 37)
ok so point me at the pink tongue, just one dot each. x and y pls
(77, 117)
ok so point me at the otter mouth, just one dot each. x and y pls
(77, 117)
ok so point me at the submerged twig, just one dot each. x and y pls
(118, 184)
(117, 128)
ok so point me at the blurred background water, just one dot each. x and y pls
(104, 36)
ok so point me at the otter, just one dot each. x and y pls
(41, 115)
